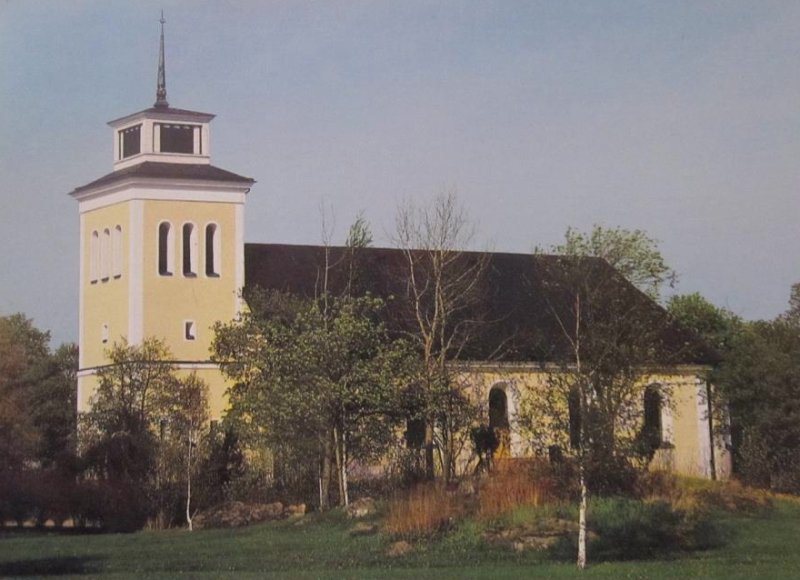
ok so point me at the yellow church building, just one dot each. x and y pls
(163, 254)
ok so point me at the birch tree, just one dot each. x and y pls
(609, 339)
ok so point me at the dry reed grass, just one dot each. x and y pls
(505, 491)
(424, 509)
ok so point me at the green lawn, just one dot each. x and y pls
(760, 547)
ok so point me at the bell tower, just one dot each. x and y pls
(161, 243)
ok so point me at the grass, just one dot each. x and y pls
(762, 546)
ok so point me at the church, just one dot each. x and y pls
(163, 254)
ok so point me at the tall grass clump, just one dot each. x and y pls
(423, 510)
(506, 491)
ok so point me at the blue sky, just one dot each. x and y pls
(681, 118)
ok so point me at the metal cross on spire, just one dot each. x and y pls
(161, 90)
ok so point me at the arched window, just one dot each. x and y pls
(105, 255)
(189, 250)
(212, 250)
(116, 246)
(498, 409)
(94, 258)
(574, 405)
(166, 249)
(652, 431)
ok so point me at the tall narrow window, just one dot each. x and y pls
(94, 258)
(105, 255)
(652, 432)
(116, 246)
(166, 255)
(212, 250)
(189, 250)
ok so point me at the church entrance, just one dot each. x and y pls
(498, 422)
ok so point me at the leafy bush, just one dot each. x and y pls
(702, 495)
(624, 529)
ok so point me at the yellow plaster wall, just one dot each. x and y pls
(104, 302)
(685, 457)
(170, 300)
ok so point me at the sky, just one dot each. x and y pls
(679, 118)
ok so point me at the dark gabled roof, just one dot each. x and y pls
(158, 170)
(517, 296)
(167, 111)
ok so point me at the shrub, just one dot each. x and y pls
(425, 509)
(624, 529)
(700, 495)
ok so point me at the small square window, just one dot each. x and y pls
(189, 330)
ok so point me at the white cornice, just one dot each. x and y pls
(161, 189)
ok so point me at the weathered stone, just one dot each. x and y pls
(361, 508)
(364, 529)
(235, 514)
(295, 510)
(398, 549)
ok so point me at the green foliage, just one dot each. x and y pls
(141, 431)
(307, 372)
(625, 529)
(716, 326)
(760, 379)
(633, 254)
(37, 396)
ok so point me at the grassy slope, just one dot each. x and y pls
(764, 547)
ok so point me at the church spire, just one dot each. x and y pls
(161, 90)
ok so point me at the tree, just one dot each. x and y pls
(184, 408)
(611, 338)
(143, 428)
(442, 303)
(37, 396)
(716, 326)
(23, 348)
(316, 375)
(633, 254)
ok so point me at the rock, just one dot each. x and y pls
(235, 514)
(269, 511)
(398, 549)
(539, 535)
(361, 508)
(364, 529)
(296, 510)
(525, 543)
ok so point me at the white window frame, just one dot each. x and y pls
(193, 250)
(116, 246)
(94, 257)
(105, 255)
(170, 249)
(216, 250)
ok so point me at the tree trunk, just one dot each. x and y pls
(325, 476)
(344, 469)
(189, 484)
(341, 466)
(430, 470)
(582, 517)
